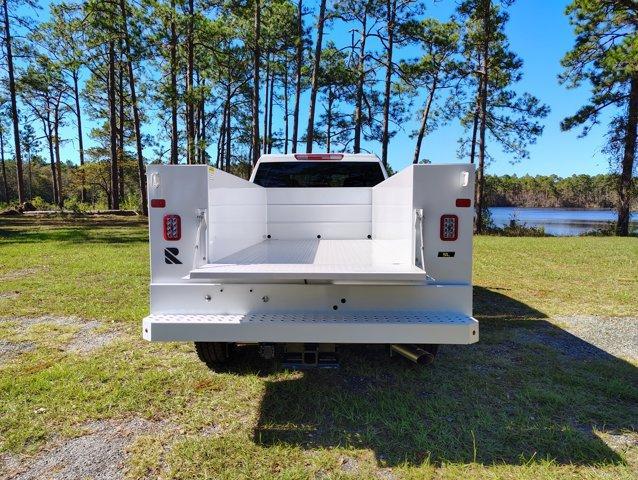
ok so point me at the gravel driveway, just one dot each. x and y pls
(617, 336)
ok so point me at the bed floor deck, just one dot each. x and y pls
(338, 260)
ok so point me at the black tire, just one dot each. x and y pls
(214, 354)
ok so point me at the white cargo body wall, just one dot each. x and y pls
(433, 189)
(437, 189)
(238, 214)
(332, 213)
(393, 214)
(184, 189)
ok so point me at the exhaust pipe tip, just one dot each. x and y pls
(414, 353)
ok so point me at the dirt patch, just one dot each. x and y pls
(100, 454)
(348, 464)
(9, 295)
(87, 339)
(212, 430)
(15, 274)
(55, 320)
(9, 350)
(386, 474)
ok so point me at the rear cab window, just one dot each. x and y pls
(317, 174)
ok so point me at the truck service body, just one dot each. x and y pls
(315, 249)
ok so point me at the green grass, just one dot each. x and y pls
(560, 276)
(503, 408)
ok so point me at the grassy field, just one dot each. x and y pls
(511, 406)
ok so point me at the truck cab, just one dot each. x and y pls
(316, 250)
(318, 170)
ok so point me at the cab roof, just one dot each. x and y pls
(319, 157)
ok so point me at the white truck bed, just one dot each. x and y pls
(311, 265)
(340, 260)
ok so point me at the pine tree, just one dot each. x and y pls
(321, 20)
(5, 184)
(335, 82)
(8, 45)
(135, 108)
(437, 70)
(60, 39)
(509, 118)
(43, 89)
(605, 55)
(256, 65)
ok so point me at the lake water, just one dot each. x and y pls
(559, 221)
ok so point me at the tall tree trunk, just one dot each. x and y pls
(298, 65)
(122, 126)
(121, 179)
(629, 155)
(4, 169)
(391, 6)
(256, 55)
(310, 131)
(196, 116)
(30, 170)
(202, 128)
(58, 166)
(264, 142)
(14, 105)
(221, 147)
(228, 130)
(220, 140)
(78, 116)
(48, 133)
(220, 159)
(424, 121)
(190, 111)
(270, 109)
(141, 168)
(173, 66)
(286, 114)
(477, 108)
(480, 178)
(358, 108)
(115, 198)
(329, 120)
(58, 163)
(224, 142)
(474, 130)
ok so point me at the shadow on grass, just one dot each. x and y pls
(74, 229)
(528, 391)
(492, 304)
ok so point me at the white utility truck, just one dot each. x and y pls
(314, 251)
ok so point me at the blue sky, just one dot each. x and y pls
(540, 34)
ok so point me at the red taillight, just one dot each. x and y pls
(158, 203)
(449, 227)
(463, 202)
(172, 227)
(318, 156)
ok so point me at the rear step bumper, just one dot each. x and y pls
(354, 327)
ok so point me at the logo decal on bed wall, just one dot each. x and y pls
(170, 256)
